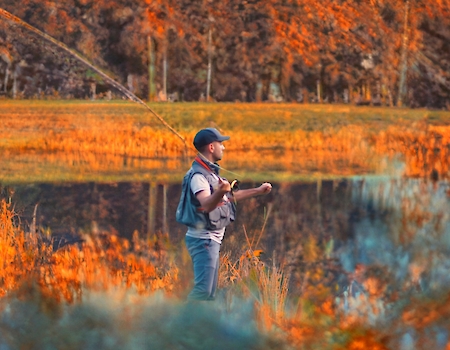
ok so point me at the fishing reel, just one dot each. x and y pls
(235, 185)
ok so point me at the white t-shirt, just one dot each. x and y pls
(198, 184)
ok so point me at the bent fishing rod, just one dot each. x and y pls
(130, 95)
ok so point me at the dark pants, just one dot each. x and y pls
(205, 260)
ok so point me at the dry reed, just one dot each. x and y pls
(314, 139)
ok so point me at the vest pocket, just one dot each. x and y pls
(221, 216)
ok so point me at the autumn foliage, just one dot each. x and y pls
(382, 52)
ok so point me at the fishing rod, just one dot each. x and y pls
(131, 96)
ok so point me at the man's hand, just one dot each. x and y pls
(224, 186)
(252, 192)
(210, 201)
(265, 188)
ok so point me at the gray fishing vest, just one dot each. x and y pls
(189, 210)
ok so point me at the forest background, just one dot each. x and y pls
(380, 52)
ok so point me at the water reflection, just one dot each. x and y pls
(27, 167)
(407, 229)
(400, 224)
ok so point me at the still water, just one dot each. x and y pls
(399, 223)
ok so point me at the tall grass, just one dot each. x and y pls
(98, 263)
(122, 319)
(110, 137)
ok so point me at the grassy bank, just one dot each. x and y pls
(122, 141)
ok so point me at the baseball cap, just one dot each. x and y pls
(206, 136)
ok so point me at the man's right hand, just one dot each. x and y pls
(224, 186)
(210, 201)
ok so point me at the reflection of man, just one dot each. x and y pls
(207, 206)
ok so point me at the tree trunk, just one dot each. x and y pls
(319, 91)
(369, 94)
(378, 98)
(336, 98)
(346, 96)
(391, 99)
(208, 79)
(93, 91)
(130, 83)
(151, 69)
(14, 89)
(151, 209)
(6, 78)
(383, 94)
(165, 71)
(259, 92)
(305, 94)
(402, 89)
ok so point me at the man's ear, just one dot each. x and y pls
(211, 148)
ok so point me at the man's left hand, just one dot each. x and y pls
(265, 188)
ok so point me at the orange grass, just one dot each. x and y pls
(99, 263)
(295, 139)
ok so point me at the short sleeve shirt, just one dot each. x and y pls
(198, 184)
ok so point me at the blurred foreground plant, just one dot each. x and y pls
(101, 293)
(98, 263)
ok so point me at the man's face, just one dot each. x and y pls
(217, 150)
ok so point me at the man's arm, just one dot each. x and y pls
(209, 202)
(253, 192)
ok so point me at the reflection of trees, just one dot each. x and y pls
(95, 207)
(323, 232)
(413, 239)
(320, 230)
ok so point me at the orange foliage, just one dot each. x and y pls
(106, 143)
(367, 341)
(426, 148)
(98, 263)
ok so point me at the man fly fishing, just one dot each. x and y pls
(207, 205)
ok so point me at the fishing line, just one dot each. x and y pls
(131, 96)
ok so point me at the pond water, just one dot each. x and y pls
(397, 223)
